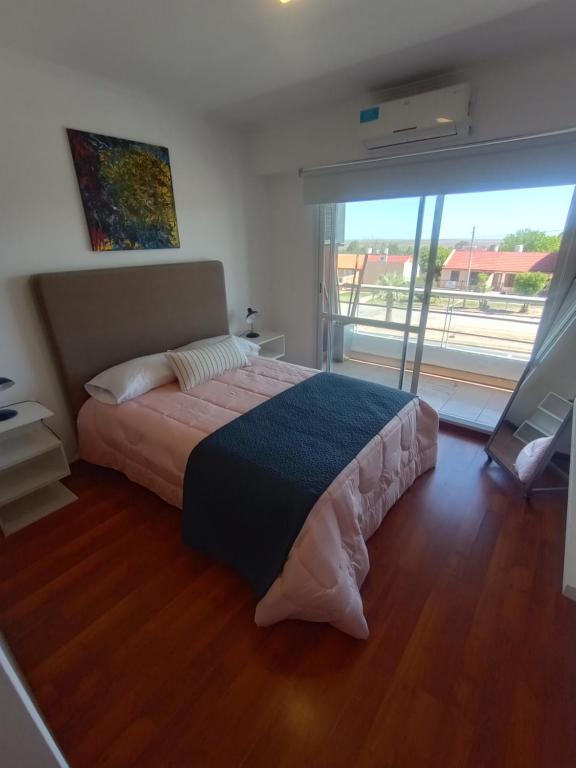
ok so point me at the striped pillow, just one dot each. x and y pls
(195, 366)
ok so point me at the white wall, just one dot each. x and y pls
(292, 268)
(524, 95)
(442, 357)
(219, 205)
(521, 95)
(25, 741)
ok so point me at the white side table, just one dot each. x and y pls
(32, 461)
(272, 344)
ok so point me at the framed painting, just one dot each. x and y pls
(126, 190)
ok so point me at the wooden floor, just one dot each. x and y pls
(142, 653)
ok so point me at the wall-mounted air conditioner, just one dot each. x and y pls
(431, 115)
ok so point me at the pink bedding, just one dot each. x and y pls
(150, 438)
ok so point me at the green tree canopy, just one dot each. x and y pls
(481, 282)
(532, 240)
(352, 247)
(530, 283)
(441, 256)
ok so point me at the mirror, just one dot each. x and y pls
(540, 408)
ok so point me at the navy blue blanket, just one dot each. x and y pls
(250, 485)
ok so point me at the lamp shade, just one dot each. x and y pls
(251, 316)
(5, 383)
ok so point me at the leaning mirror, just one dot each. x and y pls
(534, 427)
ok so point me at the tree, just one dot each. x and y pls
(389, 296)
(530, 284)
(441, 256)
(482, 282)
(532, 240)
(480, 287)
(352, 247)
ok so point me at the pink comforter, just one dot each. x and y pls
(150, 438)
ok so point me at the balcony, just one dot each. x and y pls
(476, 346)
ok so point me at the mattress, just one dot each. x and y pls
(150, 438)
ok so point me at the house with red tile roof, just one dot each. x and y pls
(373, 265)
(501, 267)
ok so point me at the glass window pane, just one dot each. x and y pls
(375, 257)
(497, 253)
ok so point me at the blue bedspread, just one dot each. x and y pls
(250, 485)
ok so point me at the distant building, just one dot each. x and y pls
(501, 267)
(387, 264)
(374, 265)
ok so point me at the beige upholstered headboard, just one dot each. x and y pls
(102, 317)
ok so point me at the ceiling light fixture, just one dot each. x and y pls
(444, 120)
(284, 2)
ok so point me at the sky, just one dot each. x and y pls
(494, 214)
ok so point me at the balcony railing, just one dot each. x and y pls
(482, 323)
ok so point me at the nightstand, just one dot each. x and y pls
(272, 344)
(32, 461)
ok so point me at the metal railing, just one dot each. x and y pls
(491, 323)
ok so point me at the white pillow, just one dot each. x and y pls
(195, 366)
(130, 379)
(136, 377)
(247, 346)
(529, 458)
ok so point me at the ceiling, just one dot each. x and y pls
(244, 58)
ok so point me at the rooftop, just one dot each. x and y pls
(354, 260)
(502, 261)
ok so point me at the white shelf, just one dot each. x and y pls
(527, 432)
(28, 413)
(272, 344)
(556, 406)
(267, 336)
(32, 461)
(546, 419)
(31, 475)
(545, 422)
(34, 506)
(25, 444)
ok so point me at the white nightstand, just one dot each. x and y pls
(32, 461)
(272, 344)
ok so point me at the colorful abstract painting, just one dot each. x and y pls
(126, 190)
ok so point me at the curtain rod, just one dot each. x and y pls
(440, 150)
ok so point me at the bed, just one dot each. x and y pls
(150, 438)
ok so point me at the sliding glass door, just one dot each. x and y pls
(439, 295)
(374, 300)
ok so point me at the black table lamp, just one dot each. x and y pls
(6, 413)
(251, 316)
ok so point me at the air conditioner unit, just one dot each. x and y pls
(431, 115)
